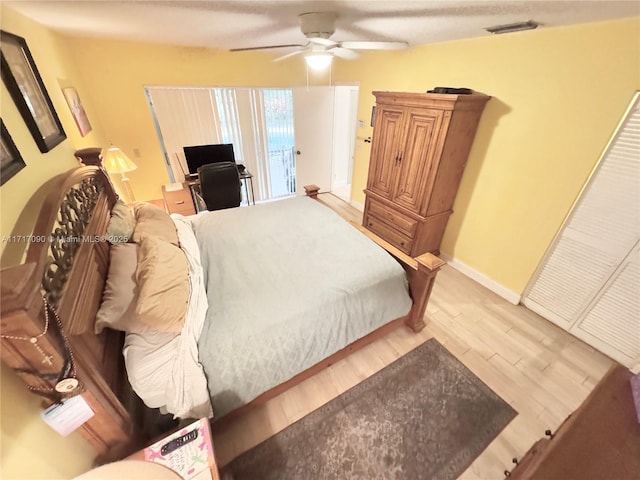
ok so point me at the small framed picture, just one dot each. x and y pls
(77, 110)
(10, 159)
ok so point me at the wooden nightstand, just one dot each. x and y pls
(178, 200)
(193, 461)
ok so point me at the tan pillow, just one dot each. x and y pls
(120, 296)
(151, 221)
(163, 282)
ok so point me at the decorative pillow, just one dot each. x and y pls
(163, 281)
(151, 221)
(121, 224)
(120, 296)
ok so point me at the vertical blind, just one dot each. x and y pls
(185, 117)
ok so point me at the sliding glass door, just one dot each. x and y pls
(277, 105)
(257, 121)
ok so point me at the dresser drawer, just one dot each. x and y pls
(179, 201)
(395, 238)
(405, 224)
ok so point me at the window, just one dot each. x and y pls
(257, 121)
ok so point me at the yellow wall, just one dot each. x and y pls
(29, 448)
(117, 73)
(58, 71)
(558, 96)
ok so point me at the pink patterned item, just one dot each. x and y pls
(192, 461)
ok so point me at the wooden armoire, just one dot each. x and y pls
(420, 146)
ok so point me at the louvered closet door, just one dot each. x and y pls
(588, 282)
(614, 318)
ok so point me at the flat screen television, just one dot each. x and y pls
(199, 155)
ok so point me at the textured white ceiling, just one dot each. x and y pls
(227, 24)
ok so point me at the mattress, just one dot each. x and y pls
(288, 284)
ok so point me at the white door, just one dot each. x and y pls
(313, 125)
(345, 118)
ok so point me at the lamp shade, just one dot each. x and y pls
(115, 161)
(318, 60)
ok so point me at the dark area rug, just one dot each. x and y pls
(425, 416)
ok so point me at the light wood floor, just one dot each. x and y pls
(542, 371)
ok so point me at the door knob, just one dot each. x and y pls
(297, 152)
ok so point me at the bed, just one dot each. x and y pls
(276, 292)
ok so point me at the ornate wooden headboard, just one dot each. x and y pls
(65, 267)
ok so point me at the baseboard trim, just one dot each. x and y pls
(357, 205)
(509, 295)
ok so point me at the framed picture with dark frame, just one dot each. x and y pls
(21, 76)
(10, 159)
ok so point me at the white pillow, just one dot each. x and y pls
(149, 359)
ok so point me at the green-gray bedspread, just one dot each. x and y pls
(288, 284)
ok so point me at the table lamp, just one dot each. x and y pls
(115, 161)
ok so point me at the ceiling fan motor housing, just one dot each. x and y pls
(318, 24)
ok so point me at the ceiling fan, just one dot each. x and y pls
(320, 49)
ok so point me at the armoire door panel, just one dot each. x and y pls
(389, 132)
(415, 175)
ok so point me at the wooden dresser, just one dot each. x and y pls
(600, 440)
(420, 146)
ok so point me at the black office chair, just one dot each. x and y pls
(220, 185)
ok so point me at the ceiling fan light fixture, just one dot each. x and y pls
(318, 60)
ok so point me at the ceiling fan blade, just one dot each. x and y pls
(344, 53)
(323, 41)
(375, 45)
(246, 49)
(288, 55)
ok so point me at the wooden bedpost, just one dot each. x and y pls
(311, 190)
(421, 282)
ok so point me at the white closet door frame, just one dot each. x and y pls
(592, 260)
